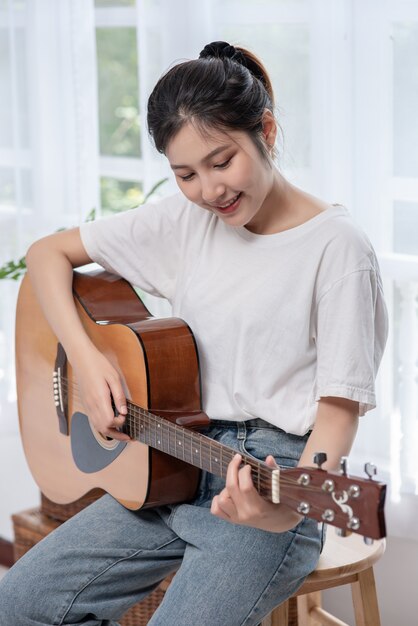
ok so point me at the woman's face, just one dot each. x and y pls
(223, 173)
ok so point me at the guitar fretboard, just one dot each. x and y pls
(190, 446)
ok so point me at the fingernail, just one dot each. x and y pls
(123, 409)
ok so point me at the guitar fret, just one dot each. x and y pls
(154, 431)
(196, 449)
(187, 444)
(190, 435)
(159, 435)
(164, 435)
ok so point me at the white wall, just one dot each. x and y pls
(18, 490)
(396, 577)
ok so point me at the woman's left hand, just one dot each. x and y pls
(240, 503)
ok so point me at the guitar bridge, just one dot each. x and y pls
(60, 392)
(275, 486)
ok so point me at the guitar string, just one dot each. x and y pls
(153, 420)
(255, 464)
(149, 416)
(262, 474)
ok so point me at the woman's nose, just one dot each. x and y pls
(212, 192)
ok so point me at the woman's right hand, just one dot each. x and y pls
(50, 263)
(98, 382)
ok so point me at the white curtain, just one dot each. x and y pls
(346, 82)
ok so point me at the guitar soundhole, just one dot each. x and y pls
(91, 450)
(106, 442)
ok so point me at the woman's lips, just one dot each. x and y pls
(231, 207)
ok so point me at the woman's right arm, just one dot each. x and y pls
(50, 262)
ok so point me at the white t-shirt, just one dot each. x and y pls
(280, 320)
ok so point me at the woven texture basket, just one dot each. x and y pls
(33, 525)
(62, 512)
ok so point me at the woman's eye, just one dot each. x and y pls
(188, 177)
(224, 164)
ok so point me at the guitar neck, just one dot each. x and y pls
(192, 447)
(340, 500)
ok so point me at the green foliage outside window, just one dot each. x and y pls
(15, 269)
(118, 88)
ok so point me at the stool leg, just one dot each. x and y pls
(293, 612)
(305, 604)
(279, 616)
(366, 609)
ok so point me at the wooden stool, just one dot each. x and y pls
(344, 560)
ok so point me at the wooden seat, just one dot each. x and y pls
(344, 560)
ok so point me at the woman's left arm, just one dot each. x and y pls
(333, 433)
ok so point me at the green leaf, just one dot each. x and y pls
(154, 189)
(14, 270)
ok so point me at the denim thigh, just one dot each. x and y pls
(234, 575)
(105, 559)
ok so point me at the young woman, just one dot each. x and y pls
(283, 294)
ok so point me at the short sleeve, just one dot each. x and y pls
(351, 333)
(141, 245)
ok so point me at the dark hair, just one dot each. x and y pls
(226, 88)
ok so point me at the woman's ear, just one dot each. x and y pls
(269, 128)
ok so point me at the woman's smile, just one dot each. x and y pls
(228, 207)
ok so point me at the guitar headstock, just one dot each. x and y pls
(347, 502)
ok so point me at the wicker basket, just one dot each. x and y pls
(33, 525)
(62, 512)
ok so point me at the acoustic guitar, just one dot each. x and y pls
(158, 363)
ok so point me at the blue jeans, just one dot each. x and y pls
(99, 563)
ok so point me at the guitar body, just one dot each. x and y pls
(158, 364)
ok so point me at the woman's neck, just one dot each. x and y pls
(284, 207)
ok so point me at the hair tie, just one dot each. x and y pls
(223, 50)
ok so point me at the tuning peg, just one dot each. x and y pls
(368, 541)
(319, 458)
(342, 532)
(344, 465)
(371, 470)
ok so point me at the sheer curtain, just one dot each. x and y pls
(73, 138)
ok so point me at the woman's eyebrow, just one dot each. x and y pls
(206, 158)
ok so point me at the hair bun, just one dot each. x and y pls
(222, 50)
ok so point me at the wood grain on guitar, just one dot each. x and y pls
(159, 365)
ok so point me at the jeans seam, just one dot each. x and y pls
(106, 569)
(275, 574)
(251, 612)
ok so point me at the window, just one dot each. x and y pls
(73, 137)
